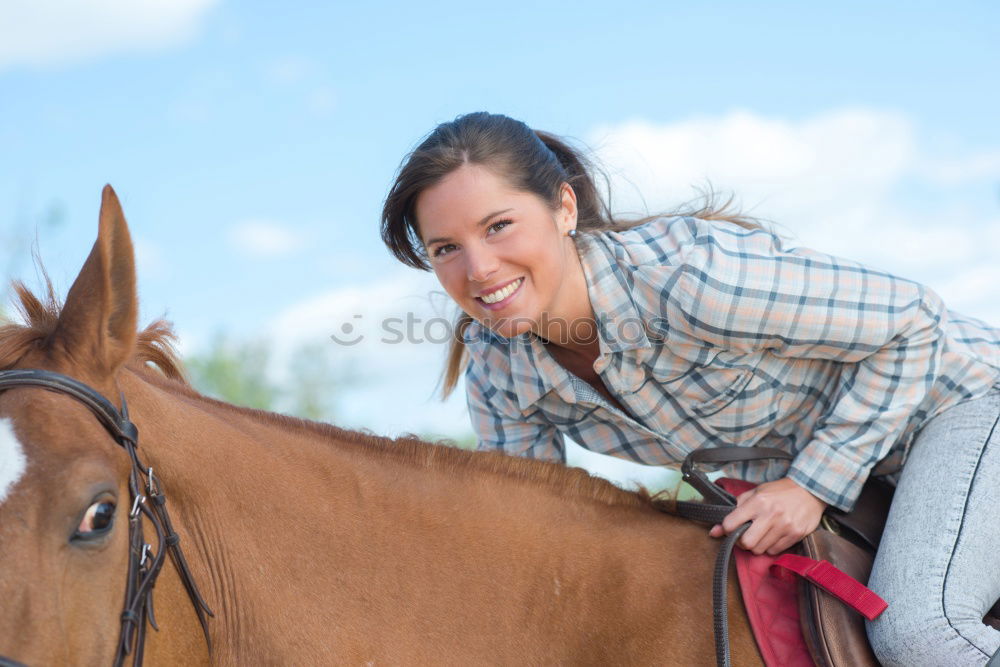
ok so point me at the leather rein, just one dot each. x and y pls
(147, 500)
(718, 503)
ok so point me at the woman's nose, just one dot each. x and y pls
(481, 263)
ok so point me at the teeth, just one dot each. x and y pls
(502, 293)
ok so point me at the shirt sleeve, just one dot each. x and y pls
(499, 424)
(740, 290)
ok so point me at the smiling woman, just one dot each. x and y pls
(650, 338)
(482, 158)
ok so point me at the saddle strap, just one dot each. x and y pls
(836, 582)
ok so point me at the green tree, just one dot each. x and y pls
(235, 372)
(239, 372)
(315, 382)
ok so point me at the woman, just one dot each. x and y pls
(649, 338)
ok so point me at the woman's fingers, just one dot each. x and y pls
(744, 512)
(768, 527)
(761, 537)
(783, 544)
(764, 536)
(781, 513)
(753, 535)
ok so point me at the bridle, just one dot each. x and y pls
(147, 499)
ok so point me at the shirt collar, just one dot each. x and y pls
(609, 285)
(536, 372)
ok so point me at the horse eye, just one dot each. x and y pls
(97, 520)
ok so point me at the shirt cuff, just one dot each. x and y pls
(828, 474)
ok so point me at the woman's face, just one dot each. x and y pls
(502, 254)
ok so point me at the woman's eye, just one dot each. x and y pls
(498, 225)
(443, 249)
(97, 520)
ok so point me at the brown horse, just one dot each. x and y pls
(312, 544)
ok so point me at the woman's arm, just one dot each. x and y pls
(740, 290)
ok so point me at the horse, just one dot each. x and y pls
(310, 544)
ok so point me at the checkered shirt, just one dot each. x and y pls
(714, 335)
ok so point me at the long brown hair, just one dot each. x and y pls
(530, 160)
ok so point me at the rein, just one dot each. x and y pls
(718, 503)
(147, 500)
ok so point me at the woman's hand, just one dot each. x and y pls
(782, 513)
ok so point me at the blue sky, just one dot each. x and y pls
(251, 143)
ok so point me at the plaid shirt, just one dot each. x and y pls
(712, 335)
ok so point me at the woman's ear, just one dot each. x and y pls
(567, 208)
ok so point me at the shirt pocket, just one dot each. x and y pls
(737, 404)
(713, 405)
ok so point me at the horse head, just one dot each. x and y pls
(64, 480)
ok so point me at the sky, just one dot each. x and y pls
(252, 143)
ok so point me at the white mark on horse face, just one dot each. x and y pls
(12, 461)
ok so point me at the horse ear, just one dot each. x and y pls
(97, 325)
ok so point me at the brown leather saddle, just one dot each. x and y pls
(834, 633)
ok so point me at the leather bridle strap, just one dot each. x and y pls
(147, 500)
(719, 504)
(116, 422)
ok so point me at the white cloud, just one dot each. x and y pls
(393, 333)
(958, 170)
(265, 239)
(397, 322)
(849, 155)
(57, 32)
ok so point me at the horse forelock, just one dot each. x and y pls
(40, 317)
(12, 459)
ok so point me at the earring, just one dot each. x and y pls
(571, 233)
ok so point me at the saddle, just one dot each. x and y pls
(814, 619)
(817, 628)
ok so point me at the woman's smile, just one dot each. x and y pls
(501, 298)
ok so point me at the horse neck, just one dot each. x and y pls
(280, 521)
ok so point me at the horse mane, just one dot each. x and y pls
(155, 361)
(411, 450)
(40, 316)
